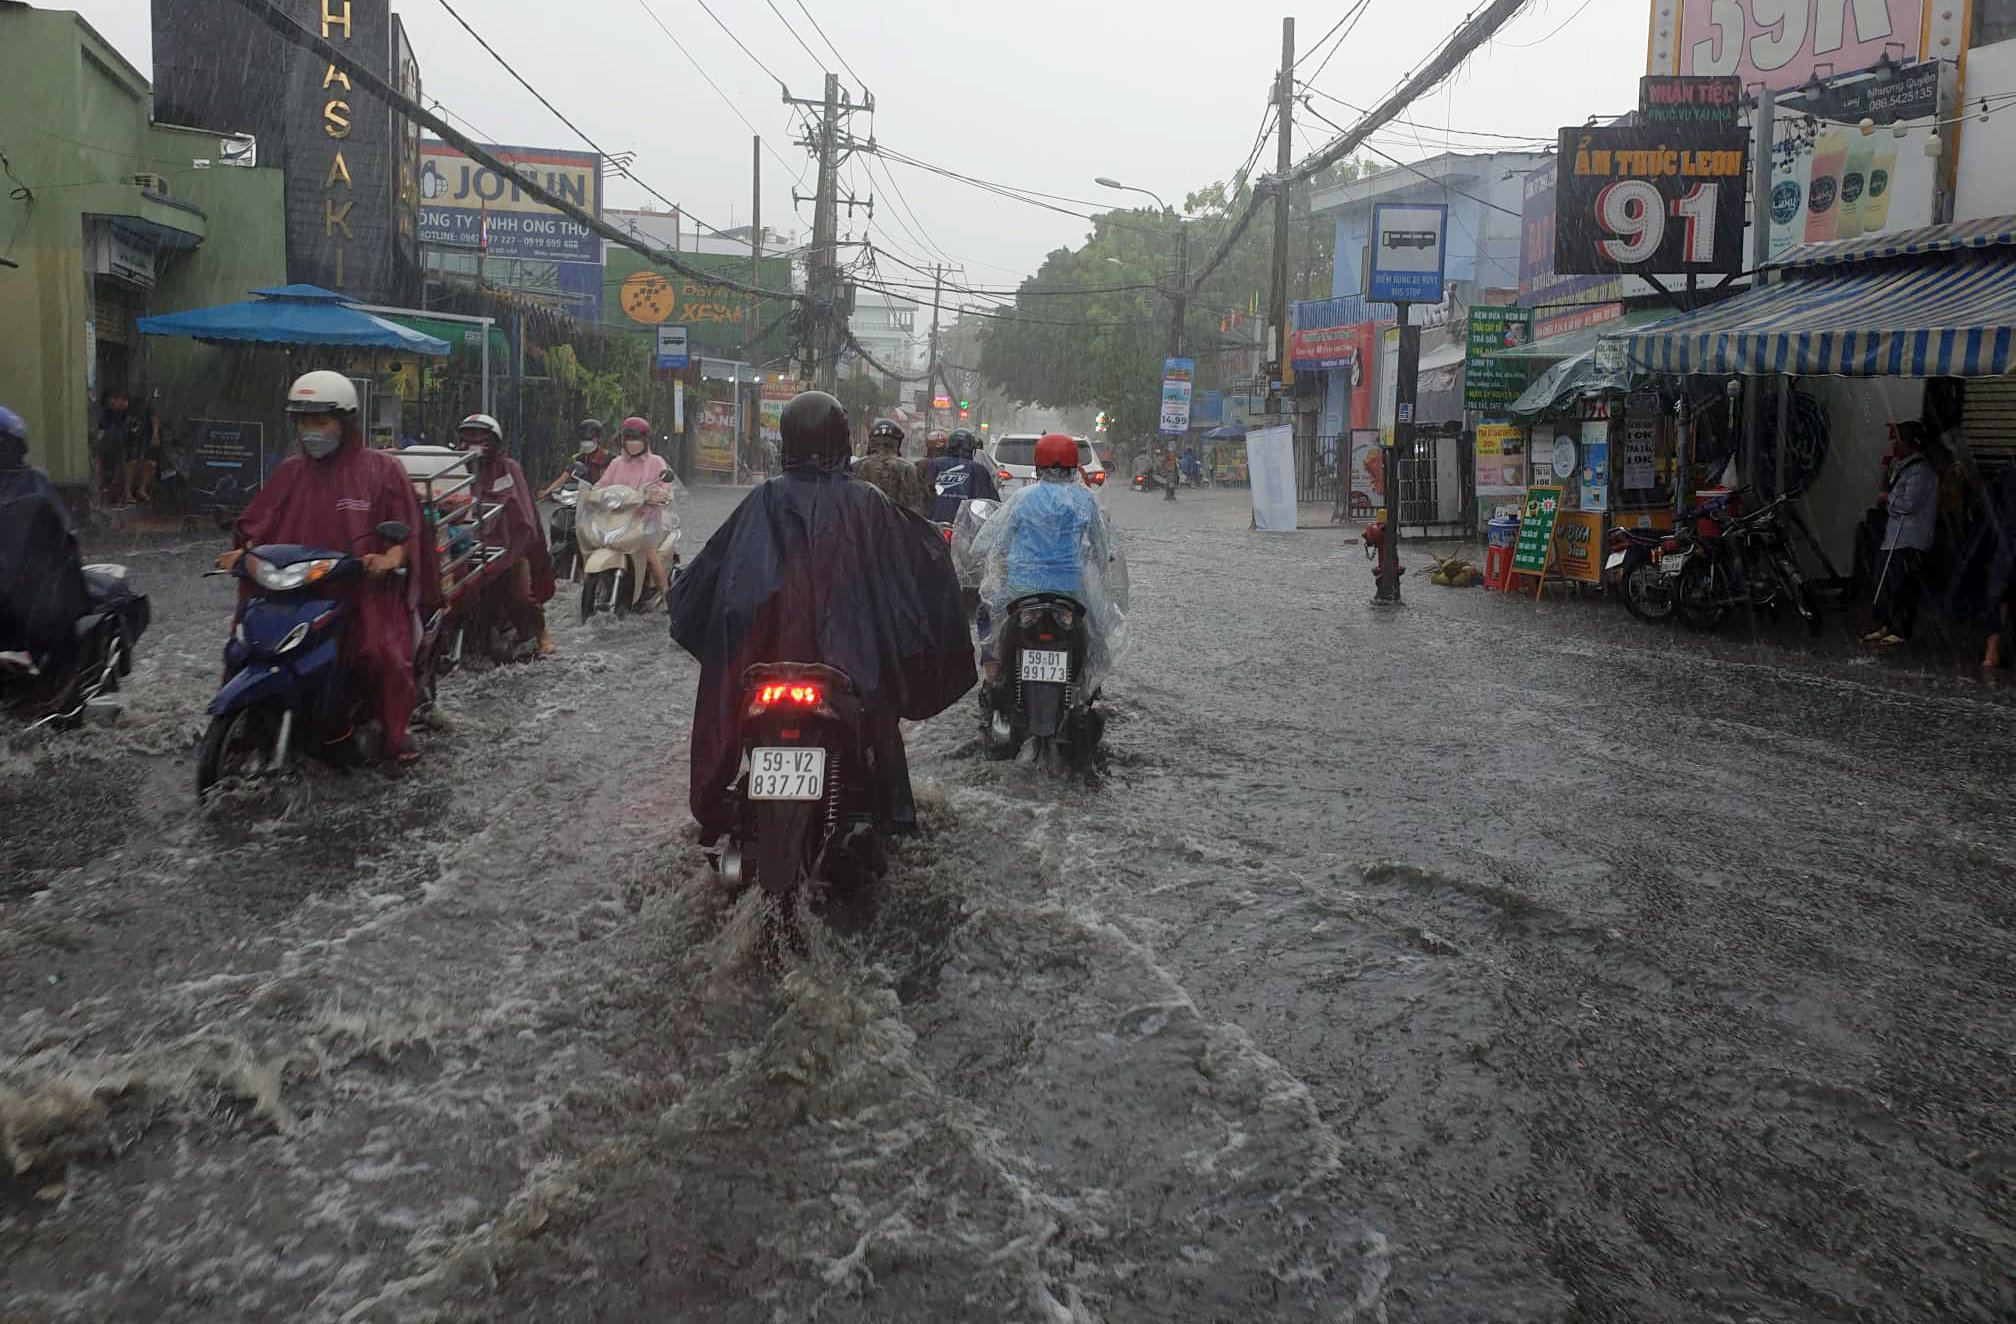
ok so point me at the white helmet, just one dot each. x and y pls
(322, 392)
(481, 423)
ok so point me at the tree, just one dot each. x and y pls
(1091, 327)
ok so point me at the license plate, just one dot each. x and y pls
(1043, 665)
(794, 773)
(1673, 562)
(1616, 561)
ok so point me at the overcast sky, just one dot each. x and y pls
(1041, 94)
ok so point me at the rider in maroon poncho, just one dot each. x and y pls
(332, 493)
(500, 480)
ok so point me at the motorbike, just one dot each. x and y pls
(1633, 565)
(1042, 648)
(959, 536)
(560, 529)
(1748, 562)
(615, 578)
(805, 801)
(287, 687)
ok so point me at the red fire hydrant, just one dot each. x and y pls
(1385, 574)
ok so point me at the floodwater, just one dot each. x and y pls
(1474, 961)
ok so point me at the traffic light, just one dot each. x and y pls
(962, 411)
(964, 406)
(1101, 426)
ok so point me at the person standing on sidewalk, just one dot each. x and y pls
(1911, 508)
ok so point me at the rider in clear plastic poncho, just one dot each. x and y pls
(1050, 537)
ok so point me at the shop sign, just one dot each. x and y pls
(1540, 286)
(1689, 99)
(1322, 349)
(715, 450)
(1594, 408)
(1536, 529)
(1490, 382)
(1408, 252)
(1783, 43)
(118, 254)
(1578, 545)
(227, 460)
(1638, 463)
(1501, 459)
(1642, 199)
(1579, 320)
(1829, 180)
(463, 202)
(1177, 379)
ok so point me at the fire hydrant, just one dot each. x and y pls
(1385, 574)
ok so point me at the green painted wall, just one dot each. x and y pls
(713, 316)
(76, 116)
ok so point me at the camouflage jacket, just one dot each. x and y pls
(897, 477)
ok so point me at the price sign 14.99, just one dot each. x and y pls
(1651, 199)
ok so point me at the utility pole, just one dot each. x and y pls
(1179, 298)
(931, 369)
(825, 287)
(1284, 154)
(1405, 390)
(755, 244)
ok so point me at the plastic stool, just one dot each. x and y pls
(1498, 568)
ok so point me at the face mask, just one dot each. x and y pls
(589, 447)
(318, 444)
(634, 445)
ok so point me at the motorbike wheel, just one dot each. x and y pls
(595, 589)
(1701, 597)
(1648, 592)
(234, 745)
(780, 854)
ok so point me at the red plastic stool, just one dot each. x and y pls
(1498, 568)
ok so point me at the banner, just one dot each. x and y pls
(462, 202)
(1829, 180)
(1490, 382)
(1501, 459)
(227, 460)
(1322, 348)
(1368, 472)
(1536, 529)
(1178, 376)
(771, 408)
(1661, 199)
(1782, 43)
(715, 451)
(1270, 464)
(1578, 545)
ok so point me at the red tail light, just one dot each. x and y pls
(805, 696)
(947, 533)
(1098, 477)
(1005, 476)
(1669, 544)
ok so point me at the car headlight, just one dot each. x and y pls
(285, 578)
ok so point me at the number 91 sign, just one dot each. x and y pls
(1652, 199)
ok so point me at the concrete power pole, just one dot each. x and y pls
(755, 244)
(1284, 154)
(826, 339)
(931, 370)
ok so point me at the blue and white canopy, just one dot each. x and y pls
(1924, 304)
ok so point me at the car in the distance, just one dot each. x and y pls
(1014, 461)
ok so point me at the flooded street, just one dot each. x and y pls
(1475, 961)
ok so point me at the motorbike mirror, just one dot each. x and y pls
(666, 476)
(579, 470)
(392, 531)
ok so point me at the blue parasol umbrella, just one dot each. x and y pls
(293, 315)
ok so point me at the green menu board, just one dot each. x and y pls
(1536, 530)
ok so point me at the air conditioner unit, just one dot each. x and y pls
(152, 182)
(240, 149)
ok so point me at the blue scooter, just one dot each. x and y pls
(287, 682)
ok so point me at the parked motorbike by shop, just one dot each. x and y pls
(287, 690)
(613, 528)
(1747, 563)
(67, 632)
(1632, 565)
(805, 802)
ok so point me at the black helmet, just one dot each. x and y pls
(814, 430)
(962, 442)
(590, 429)
(886, 430)
(13, 439)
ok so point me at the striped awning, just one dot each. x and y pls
(1943, 319)
(1987, 232)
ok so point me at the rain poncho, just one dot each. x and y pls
(956, 478)
(815, 567)
(336, 503)
(41, 585)
(499, 479)
(1050, 537)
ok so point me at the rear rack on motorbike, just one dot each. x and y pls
(468, 533)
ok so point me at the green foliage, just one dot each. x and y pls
(1091, 327)
(863, 393)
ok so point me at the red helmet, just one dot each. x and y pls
(642, 427)
(1056, 451)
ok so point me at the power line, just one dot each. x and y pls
(1525, 45)
(603, 152)
(800, 173)
(831, 47)
(1443, 185)
(1351, 18)
(1448, 132)
(738, 42)
(795, 37)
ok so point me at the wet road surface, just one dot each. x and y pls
(1469, 962)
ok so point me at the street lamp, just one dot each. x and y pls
(1105, 182)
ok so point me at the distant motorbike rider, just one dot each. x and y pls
(499, 480)
(934, 447)
(590, 454)
(1049, 537)
(885, 467)
(956, 476)
(814, 567)
(333, 492)
(637, 467)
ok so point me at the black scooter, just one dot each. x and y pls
(1041, 694)
(806, 796)
(67, 631)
